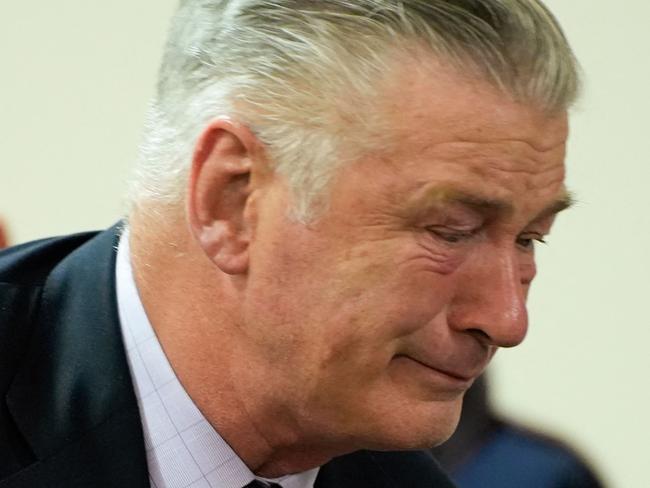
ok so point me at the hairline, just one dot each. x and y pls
(461, 59)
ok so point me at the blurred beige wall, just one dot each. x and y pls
(76, 78)
(583, 370)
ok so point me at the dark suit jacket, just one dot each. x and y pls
(69, 416)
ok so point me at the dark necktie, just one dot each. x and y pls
(260, 484)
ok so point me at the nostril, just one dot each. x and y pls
(481, 336)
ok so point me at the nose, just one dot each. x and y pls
(490, 299)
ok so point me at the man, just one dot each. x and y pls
(332, 232)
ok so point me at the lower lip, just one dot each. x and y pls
(436, 376)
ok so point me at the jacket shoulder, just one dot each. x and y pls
(31, 333)
(23, 271)
(30, 263)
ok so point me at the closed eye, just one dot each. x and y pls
(450, 235)
(527, 241)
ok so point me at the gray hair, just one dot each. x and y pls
(302, 75)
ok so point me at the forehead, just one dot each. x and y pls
(427, 102)
(445, 130)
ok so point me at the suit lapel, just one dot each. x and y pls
(103, 458)
(373, 469)
(72, 398)
(356, 470)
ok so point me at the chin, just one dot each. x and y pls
(422, 427)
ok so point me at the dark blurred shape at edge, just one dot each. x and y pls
(4, 239)
(488, 451)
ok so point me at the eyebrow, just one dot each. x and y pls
(562, 203)
(491, 206)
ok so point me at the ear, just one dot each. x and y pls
(220, 193)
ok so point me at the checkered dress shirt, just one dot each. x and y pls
(183, 449)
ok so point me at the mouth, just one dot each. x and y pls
(452, 378)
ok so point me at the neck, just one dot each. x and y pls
(204, 343)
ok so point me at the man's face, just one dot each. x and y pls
(375, 319)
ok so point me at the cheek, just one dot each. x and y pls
(435, 257)
(435, 264)
(409, 295)
(527, 270)
(334, 311)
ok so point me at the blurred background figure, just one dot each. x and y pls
(4, 240)
(488, 451)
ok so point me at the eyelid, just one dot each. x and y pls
(532, 237)
(533, 234)
(453, 235)
(458, 229)
(544, 224)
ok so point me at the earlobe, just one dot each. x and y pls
(224, 248)
(219, 192)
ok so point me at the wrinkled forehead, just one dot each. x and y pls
(430, 102)
(458, 139)
(435, 197)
